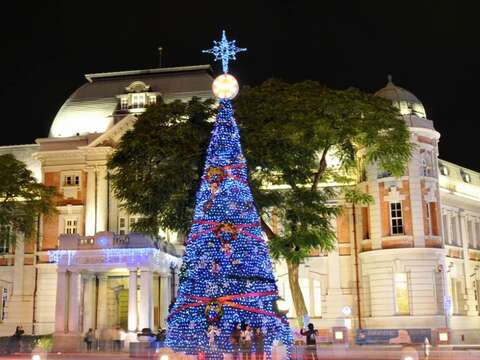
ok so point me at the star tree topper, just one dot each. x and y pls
(224, 50)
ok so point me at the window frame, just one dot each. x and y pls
(395, 218)
(67, 229)
(398, 295)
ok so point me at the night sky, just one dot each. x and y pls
(430, 47)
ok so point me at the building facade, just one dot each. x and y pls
(416, 248)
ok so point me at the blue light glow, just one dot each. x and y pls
(224, 50)
(226, 276)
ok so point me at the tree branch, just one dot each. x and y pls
(322, 166)
(267, 229)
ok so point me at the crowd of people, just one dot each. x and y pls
(244, 340)
(111, 338)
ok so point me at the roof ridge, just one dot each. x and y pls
(92, 76)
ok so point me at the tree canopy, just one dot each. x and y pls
(22, 198)
(303, 142)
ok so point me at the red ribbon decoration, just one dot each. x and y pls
(226, 174)
(225, 300)
(213, 225)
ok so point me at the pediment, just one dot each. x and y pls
(112, 136)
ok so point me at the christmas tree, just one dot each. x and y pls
(226, 276)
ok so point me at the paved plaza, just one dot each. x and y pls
(325, 353)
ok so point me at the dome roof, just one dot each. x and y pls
(92, 107)
(404, 100)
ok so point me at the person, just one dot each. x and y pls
(116, 338)
(235, 340)
(88, 339)
(161, 335)
(15, 340)
(246, 342)
(259, 340)
(311, 348)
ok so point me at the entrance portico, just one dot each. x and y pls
(106, 281)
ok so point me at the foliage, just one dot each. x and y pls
(22, 198)
(44, 342)
(291, 131)
(225, 257)
(158, 164)
(296, 137)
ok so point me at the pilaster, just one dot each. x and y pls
(146, 302)
(102, 199)
(61, 302)
(102, 305)
(74, 303)
(90, 210)
(165, 297)
(132, 301)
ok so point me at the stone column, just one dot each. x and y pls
(470, 302)
(132, 302)
(61, 301)
(165, 297)
(102, 199)
(146, 303)
(88, 302)
(416, 201)
(102, 306)
(90, 211)
(74, 303)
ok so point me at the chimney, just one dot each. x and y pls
(160, 49)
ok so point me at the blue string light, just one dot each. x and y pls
(224, 50)
(226, 257)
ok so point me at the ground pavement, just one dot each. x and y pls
(325, 353)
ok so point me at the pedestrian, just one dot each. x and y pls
(311, 348)
(15, 340)
(259, 339)
(88, 339)
(235, 340)
(117, 339)
(246, 342)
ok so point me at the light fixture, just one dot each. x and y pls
(225, 86)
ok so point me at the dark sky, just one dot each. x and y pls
(430, 47)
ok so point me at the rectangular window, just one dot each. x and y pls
(446, 230)
(4, 303)
(69, 180)
(138, 100)
(396, 219)
(471, 239)
(454, 231)
(152, 99)
(122, 226)
(5, 239)
(71, 226)
(402, 300)
(428, 217)
(477, 234)
(124, 103)
(458, 297)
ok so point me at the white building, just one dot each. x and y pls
(418, 243)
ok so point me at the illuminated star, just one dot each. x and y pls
(224, 50)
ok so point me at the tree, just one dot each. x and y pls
(22, 198)
(290, 134)
(227, 275)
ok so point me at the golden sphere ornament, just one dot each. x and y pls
(225, 86)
